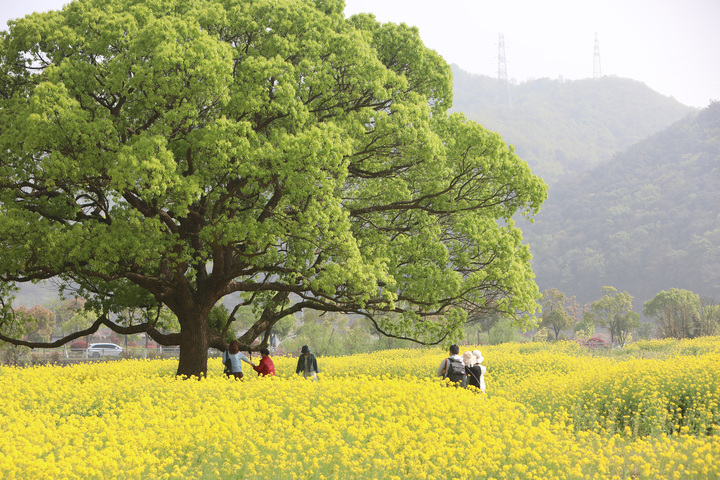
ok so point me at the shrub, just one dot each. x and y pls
(504, 331)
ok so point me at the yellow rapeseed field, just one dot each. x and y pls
(552, 411)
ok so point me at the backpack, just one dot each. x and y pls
(455, 372)
(474, 375)
(227, 363)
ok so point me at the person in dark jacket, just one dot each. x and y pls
(453, 368)
(476, 371)
(266, 366)
(307, 364)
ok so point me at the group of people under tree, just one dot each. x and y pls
(466, 370)
(233, 358)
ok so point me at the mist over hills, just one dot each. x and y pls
(644, 221)
(634, 182)
(565, 127)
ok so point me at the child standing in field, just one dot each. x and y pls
(266, 366)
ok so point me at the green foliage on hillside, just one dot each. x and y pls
(645, 221)
(565, 127)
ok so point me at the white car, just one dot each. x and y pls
(104, 350)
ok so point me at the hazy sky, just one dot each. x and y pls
(673, 46)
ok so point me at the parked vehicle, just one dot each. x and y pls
(104, 350)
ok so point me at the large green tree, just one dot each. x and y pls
(168, 154)
(554, 315)
(708, 317)
(38, 321)
(614, 311)
(676, 312)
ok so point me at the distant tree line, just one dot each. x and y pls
(674, 313)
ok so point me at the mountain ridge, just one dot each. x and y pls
(644, 221)
(563, 127)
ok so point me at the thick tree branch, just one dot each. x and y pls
(402, 337)
(161, 338)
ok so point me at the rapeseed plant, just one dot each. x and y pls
(551, 411)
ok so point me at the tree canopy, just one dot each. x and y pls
(614, 311)
(167, 154)
(554, 315)
(676, 313)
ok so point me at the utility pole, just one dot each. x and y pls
(503, 95)
(597, 71)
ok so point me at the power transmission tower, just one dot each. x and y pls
(597, 71)
(503, 84)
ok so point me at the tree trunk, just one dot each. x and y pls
(194, 344)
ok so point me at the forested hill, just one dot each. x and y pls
(647, 220)
(562, 127)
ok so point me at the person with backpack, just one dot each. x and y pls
(232, 358)
(453, 368)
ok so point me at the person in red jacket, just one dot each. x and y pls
(266, 366)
